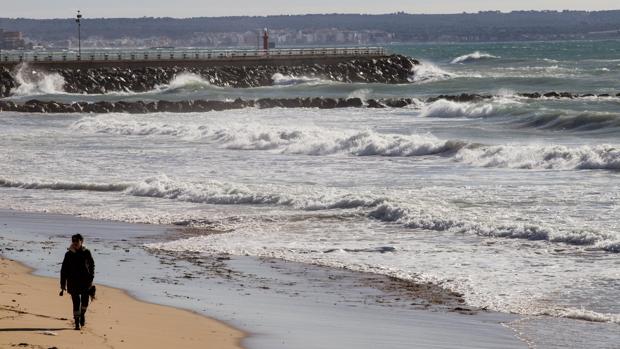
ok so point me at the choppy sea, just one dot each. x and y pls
(513, 202)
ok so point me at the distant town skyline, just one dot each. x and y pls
(218, 8)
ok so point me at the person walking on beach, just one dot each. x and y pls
(76, 277)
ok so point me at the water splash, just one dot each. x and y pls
(31, 81)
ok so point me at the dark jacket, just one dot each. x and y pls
(78, 271)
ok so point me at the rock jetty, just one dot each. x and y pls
(7, 82)
(189, 106)
(394, 69)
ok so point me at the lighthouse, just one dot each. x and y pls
(265, 40)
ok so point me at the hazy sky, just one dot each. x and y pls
(207, 8)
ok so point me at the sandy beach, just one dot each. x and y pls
(32, 315)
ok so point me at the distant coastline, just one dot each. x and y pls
(322, 29)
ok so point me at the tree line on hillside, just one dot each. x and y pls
(481, 26)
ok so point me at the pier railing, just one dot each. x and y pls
(183, 54)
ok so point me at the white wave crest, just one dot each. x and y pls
(211, 192)
(309, 141)
(35, 82)
(558, 157)
(62, 185)
(186, 81)
(583, 314)
(214, 192)
(360, 143)
(474, 56)
(320, 141)
(107, 124)
(449, 109)
(429, 72)
(414, 219)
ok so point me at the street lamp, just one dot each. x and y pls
(77, 20)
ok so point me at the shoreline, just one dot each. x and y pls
(33, 318)
(281, 304)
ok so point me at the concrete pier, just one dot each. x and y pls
(196, 58)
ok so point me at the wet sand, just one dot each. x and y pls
(281, 304)
(32, 315)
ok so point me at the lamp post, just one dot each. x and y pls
(77, 20)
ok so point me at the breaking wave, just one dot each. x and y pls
(474, 56)
(186, 81)
(360, 143)
(309, 141)
(414, 219)
(449, 109)
(429, 72)
(210, 192)
(320, 142)
(384, 209)
(549, 157)
(34, 82)
(63, 185)
(520, 113)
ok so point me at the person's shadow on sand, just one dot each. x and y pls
(34, 329)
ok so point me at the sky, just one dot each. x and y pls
(217, 8)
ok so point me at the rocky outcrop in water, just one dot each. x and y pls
(141, 107)
(389, 70)
(7, 82)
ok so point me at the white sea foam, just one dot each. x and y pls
(31, 81)
(380, 208)
(361, 143)
(548, 157)
(288, 80)
(309, 140)
(186, 81)
(320, 141)
(582, 314)
(429, 72)
(449, 109)
(220, 193)
(315, 246)
(474, 56)
(413, 218)
(62, 185)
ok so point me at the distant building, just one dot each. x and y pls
(11, 40)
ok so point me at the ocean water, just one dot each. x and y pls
(513, 202)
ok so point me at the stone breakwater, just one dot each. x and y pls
(7, 82)
(392, 69)
(190, 106)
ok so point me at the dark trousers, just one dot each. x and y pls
(80, 303)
